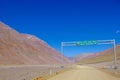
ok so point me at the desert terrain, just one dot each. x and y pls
(26, 57)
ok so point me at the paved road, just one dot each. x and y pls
(84, 73)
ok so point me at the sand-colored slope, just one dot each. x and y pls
(104, 56)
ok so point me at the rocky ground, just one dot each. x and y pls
(27, 72)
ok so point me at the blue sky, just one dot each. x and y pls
(56, 21)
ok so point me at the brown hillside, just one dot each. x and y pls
(103, 56)
(16, 48)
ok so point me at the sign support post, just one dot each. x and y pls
(115, 56)
(88, 43)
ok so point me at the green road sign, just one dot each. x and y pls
(82, 43)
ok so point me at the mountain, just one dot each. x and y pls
(103, 56)
(18, 48)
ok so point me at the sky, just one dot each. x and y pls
(56, 21)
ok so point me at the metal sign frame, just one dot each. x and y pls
(89, 43)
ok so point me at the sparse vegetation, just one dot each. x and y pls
(40, 78)
(46, 76)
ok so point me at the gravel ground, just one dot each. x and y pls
(109, 64)
(27, 72)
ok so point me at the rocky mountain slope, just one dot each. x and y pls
(17, 48)
(107, 55)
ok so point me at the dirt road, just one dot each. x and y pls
(84, 73)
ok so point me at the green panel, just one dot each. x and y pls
(82, 43)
